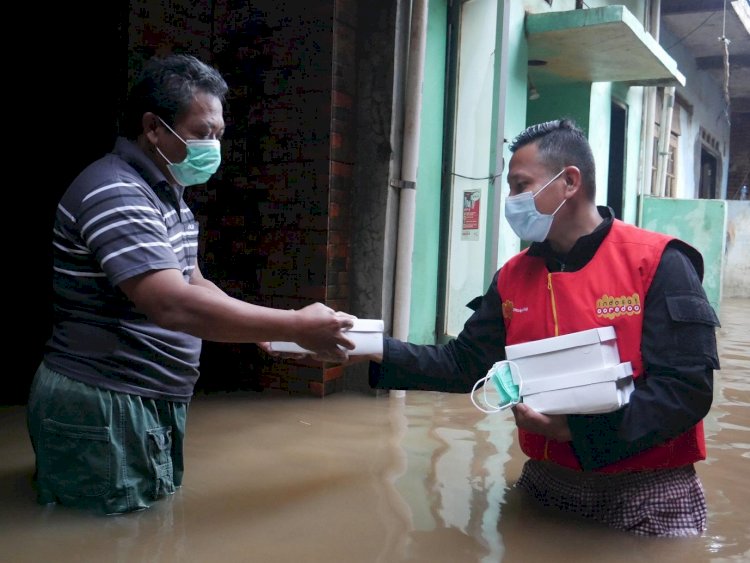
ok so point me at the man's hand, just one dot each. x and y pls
(553, 426)
(322, 330)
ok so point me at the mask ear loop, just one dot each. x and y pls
(490, 408)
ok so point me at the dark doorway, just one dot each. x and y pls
(709, 167)
(616, 178)
(64, 115)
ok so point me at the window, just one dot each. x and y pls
(671, 164)
(670, 185)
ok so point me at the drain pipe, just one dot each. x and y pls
(409, 164)
(649, 117)
(396, 140)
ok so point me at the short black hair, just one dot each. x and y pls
(166, 87)
(561, 143)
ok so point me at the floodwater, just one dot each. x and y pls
(356, 478)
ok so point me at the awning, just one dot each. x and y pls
(606, 44)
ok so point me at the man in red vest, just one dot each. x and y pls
(631, 469)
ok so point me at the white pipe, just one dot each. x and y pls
(407, 199)
(649, 117)
(400, 58)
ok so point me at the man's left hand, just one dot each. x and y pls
(553, 426)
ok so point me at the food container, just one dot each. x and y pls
(577, 373)
(367, 335)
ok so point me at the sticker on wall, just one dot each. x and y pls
(470, 224)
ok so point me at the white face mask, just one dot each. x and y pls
(525, 219)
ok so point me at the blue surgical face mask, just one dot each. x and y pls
(525, 219)
(201, 162)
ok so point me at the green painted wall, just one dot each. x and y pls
(424, 289)
(561, 100)
(699, 222)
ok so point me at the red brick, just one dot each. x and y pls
(341, 169)
(333, 373)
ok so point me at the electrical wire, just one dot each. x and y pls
(700, 25)
(492, 178)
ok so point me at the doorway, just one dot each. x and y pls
(617, 139)
(466, 184)
(707, 185)
(65, 118)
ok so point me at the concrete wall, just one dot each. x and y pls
(736, 281)
(372, 277)
(701, 223)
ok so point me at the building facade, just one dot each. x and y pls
(366, 143)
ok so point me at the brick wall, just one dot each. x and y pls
(276, 217)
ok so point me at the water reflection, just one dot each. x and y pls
(454, 483)
(425, 477)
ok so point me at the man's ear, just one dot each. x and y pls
(572, 176)
(150, 124)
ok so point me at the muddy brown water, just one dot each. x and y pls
(355, 478)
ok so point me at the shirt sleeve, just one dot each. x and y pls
(453, 367)
(676, 390)
(123, 230)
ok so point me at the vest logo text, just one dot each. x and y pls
(609, 306)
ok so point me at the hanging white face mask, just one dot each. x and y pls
(525, 219)
(506, 378)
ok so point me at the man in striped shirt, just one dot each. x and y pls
(108, 404)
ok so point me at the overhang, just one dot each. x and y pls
(606, 44)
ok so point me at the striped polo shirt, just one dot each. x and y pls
(118, 219)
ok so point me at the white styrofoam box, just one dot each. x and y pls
(575, 352)
(367, 335)
(577, 373)
(588, 392)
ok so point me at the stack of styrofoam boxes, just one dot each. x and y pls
(578, 373)
(367, 335)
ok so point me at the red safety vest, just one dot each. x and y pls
(608, 291)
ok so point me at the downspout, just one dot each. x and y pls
(649, 117)
(401, 40)
(409, 165)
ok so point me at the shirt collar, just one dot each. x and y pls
(131, 153)
(583, 250)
